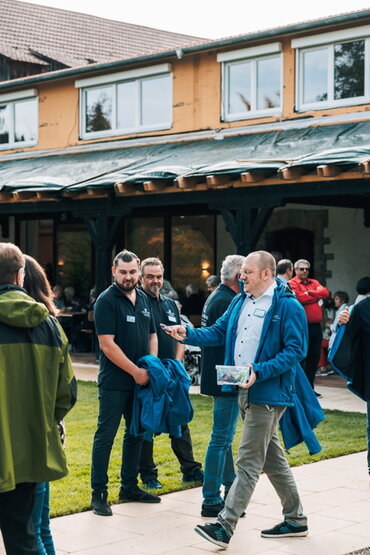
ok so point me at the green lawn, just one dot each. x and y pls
(340, 433)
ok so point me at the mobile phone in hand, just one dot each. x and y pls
(165, 328)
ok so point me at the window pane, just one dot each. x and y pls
(192, 250)
(349, 69)
(127, 98)
(239, 88)
(145, 237)
(4, 124)
(25, 117)
(99, 109)
(268, 83)
(74, 259)
(156, 101)
(315, 75)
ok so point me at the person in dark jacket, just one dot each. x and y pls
(126, 332)
(219, 464)
(32, 346)
(165, 311)
(358, 335)
(265, 330)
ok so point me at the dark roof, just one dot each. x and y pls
(263, 155)
(76, 39)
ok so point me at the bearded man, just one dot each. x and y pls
(126, 332)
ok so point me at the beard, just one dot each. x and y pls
(125, 288)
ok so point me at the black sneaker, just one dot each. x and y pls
(99, 504)
(285, 530)
(318, 395)
(153, 484)
(212, 510)
(138, 495)
(197, 476)
(214, 533)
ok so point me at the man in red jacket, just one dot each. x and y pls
(309, 292)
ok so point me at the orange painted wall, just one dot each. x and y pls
(196, 102)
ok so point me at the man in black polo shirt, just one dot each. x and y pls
(219, 464)
(126, 332)
(165, 311)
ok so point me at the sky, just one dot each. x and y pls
(209, 18)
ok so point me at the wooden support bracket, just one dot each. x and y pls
(219, 181)
(154, 185)
(328, 170)
(252, 177)
(123, 188)
(292, 173)
(365, 166)
(184, 182)
(24, 195)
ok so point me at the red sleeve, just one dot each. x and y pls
(318, 294)
(301, 295)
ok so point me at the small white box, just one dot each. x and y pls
(232, 375)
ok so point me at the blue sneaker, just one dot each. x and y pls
(153, 484)
(285, 530)
(214, 533)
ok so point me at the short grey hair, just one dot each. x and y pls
(301, 261)
(231, 266)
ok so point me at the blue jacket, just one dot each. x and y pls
(282, 346)
(164, 405)
(298, 421)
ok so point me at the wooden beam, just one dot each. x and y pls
(365, 166)
(6, 197)
(97, 192)
(219, 181)
(328, 170)
(24, 195)
(184, 182)
(123, 188)
(154, 185)
(44, 195)
(252, 177)
(292, 173)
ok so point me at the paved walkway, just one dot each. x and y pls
(335, 495)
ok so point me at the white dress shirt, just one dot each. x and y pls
(251, 319)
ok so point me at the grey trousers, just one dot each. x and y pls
(259, 450)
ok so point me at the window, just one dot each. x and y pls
(18, 119)
(251, 82)
(129, 102)
(334, 74)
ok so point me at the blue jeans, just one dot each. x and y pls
(41, 519)
(113, 404)
(219, 464)
(368, 436)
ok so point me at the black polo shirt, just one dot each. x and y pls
(164, 311)
(114, 314)
(215, 306)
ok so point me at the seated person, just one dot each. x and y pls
(58, 297)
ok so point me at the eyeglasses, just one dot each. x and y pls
(303, 269)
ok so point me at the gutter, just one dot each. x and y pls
(318, 25)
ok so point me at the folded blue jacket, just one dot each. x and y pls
(298, 421)
(162, 406)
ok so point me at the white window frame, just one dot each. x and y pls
(10, 100)
(253, 54)
(329, 40)
(115, 79)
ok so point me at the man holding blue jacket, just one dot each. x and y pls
(264, 329)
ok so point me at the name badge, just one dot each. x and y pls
(259, 312)
(172, 319)
(130, 319)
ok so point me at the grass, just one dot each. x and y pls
(341, 433)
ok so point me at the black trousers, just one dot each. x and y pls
(313, 353)
(16, 520)
(183, 449)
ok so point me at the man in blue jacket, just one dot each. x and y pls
(264, 329)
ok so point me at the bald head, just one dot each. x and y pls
(258, 272)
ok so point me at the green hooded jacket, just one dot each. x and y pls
(37, 388)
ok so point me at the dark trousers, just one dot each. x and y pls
(16, 520)
(112, 406)
(183, 449)
(311, 361)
